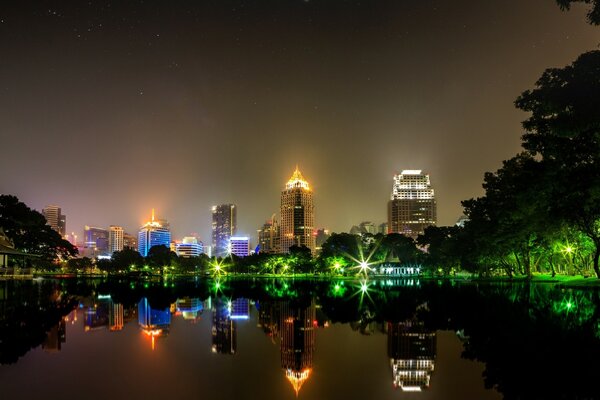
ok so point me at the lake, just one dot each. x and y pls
(287, 339)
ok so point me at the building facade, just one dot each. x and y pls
(297, 214)
(96, 240)
(224, 226)
(239, 246)
(153, 233)
(268, 237)
(130, 241)
(56, 219)
(115, 238)
(412, 206)
(189, 247)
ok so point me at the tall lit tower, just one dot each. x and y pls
(224, 226)
(56, 219)
(115, 238)
(153, 233)
(297, 214)
(412, 206)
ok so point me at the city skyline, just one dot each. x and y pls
(206, 95)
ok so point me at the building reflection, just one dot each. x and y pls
(297, 329)
(153, 322)
(55, 337)
(412, 353)
(189, 308)
(224, 330)
(268, 318)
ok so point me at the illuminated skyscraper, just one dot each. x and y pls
(268, 237)
(297, 214)
(412, 207)
(115, 238)
(224, 226)
(297, 330)
(153, 233)
(412, 353)
(56, 219)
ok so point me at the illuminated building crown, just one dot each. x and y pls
(297, 181)
(152, 222)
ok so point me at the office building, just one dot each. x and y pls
(153, 233)
(115, 238)
(297, 214)
(189, 247)
(268, 237)
(95, 241)
(130, 241)
(239, 245)
(56, 219)
(412, 206)
(223, 228)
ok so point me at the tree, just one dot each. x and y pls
(441, 245)
(302, 257)
(403, 247)
(593, 15)
(83, 264)
(123, 260)
(160, 256)
(564, 131)
(29, 232)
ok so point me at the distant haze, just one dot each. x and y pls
(111, 109)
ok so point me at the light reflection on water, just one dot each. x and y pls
(282, 339)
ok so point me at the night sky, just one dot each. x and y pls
(111, 108)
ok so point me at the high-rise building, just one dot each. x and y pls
(239, 245)
(320, 238)
(56, 219)
(412, 206)
(297, 214)
(297, 342)
(96, 240)
(268, 237)
(115, 238)
(224, 226)
(130, 241)
(153, 233)
(189, 247)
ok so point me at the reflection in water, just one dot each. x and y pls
(154, 322)
(224, 332)
(55, 337)
(412, 351)
(189, 308)
(551, 327)
(297, 329)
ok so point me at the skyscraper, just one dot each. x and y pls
(130, 241)
(268, 236)
(115, 238)
(56, 219)
(412, 206)
(223, 228)
(297, 214)
(153, 233)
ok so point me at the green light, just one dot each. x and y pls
(569, 305)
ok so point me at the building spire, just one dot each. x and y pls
(297, 180)
(153, 215)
